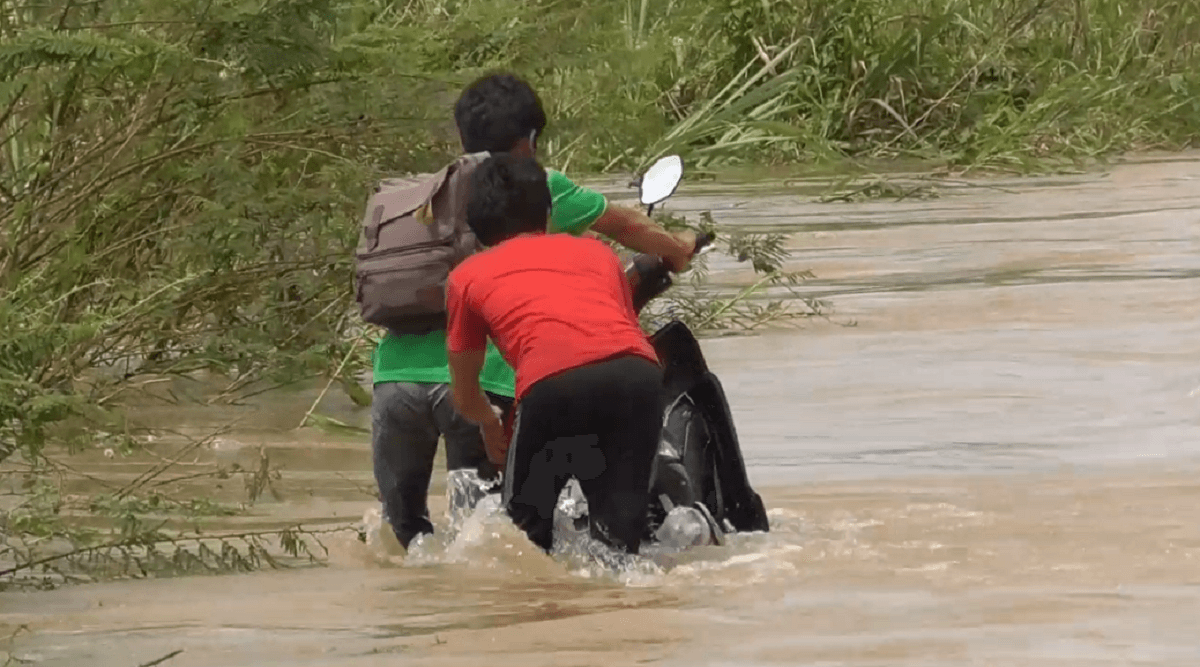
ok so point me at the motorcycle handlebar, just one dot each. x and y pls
(649, 277)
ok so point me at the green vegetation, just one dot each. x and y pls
(180, 182)
(710, 311)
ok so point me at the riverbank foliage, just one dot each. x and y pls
(180, 182)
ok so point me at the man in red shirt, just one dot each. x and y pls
(588, 382)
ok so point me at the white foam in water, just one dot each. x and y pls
(478, 531)
(475, 528)
(465, 490)
(684, 527)
(379, 536)
(572, 503)
(473, 519)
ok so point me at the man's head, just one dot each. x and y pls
(509, 196)
(499, 113)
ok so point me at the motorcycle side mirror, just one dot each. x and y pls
(660, 181)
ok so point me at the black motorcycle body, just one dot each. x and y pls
(699, 463)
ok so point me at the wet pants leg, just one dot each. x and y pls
(406, 421)
(600, 424)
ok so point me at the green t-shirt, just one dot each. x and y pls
(422, 359)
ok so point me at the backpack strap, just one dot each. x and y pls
(453, 204)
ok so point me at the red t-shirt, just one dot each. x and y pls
(550, 302)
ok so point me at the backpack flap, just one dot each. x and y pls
(399, 197)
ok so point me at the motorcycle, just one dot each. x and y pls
(700, 491)
(699, 465)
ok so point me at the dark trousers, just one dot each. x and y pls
(406, 420)
(599, 424)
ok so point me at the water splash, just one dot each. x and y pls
(464, 490)
(685, 527)
(479, 532)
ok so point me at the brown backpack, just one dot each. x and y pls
(414, 232)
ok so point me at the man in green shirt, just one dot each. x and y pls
(411, 405)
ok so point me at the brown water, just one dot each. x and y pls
(996, 466)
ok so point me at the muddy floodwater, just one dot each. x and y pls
(996, 465)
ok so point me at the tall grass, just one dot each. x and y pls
(180, 183)
(968, 81)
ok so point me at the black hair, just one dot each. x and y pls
(496, 111)
(509, 196)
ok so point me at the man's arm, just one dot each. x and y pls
(466, 340)
(465, 390)
(578, 209)
(636, 231)
(473, 404)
